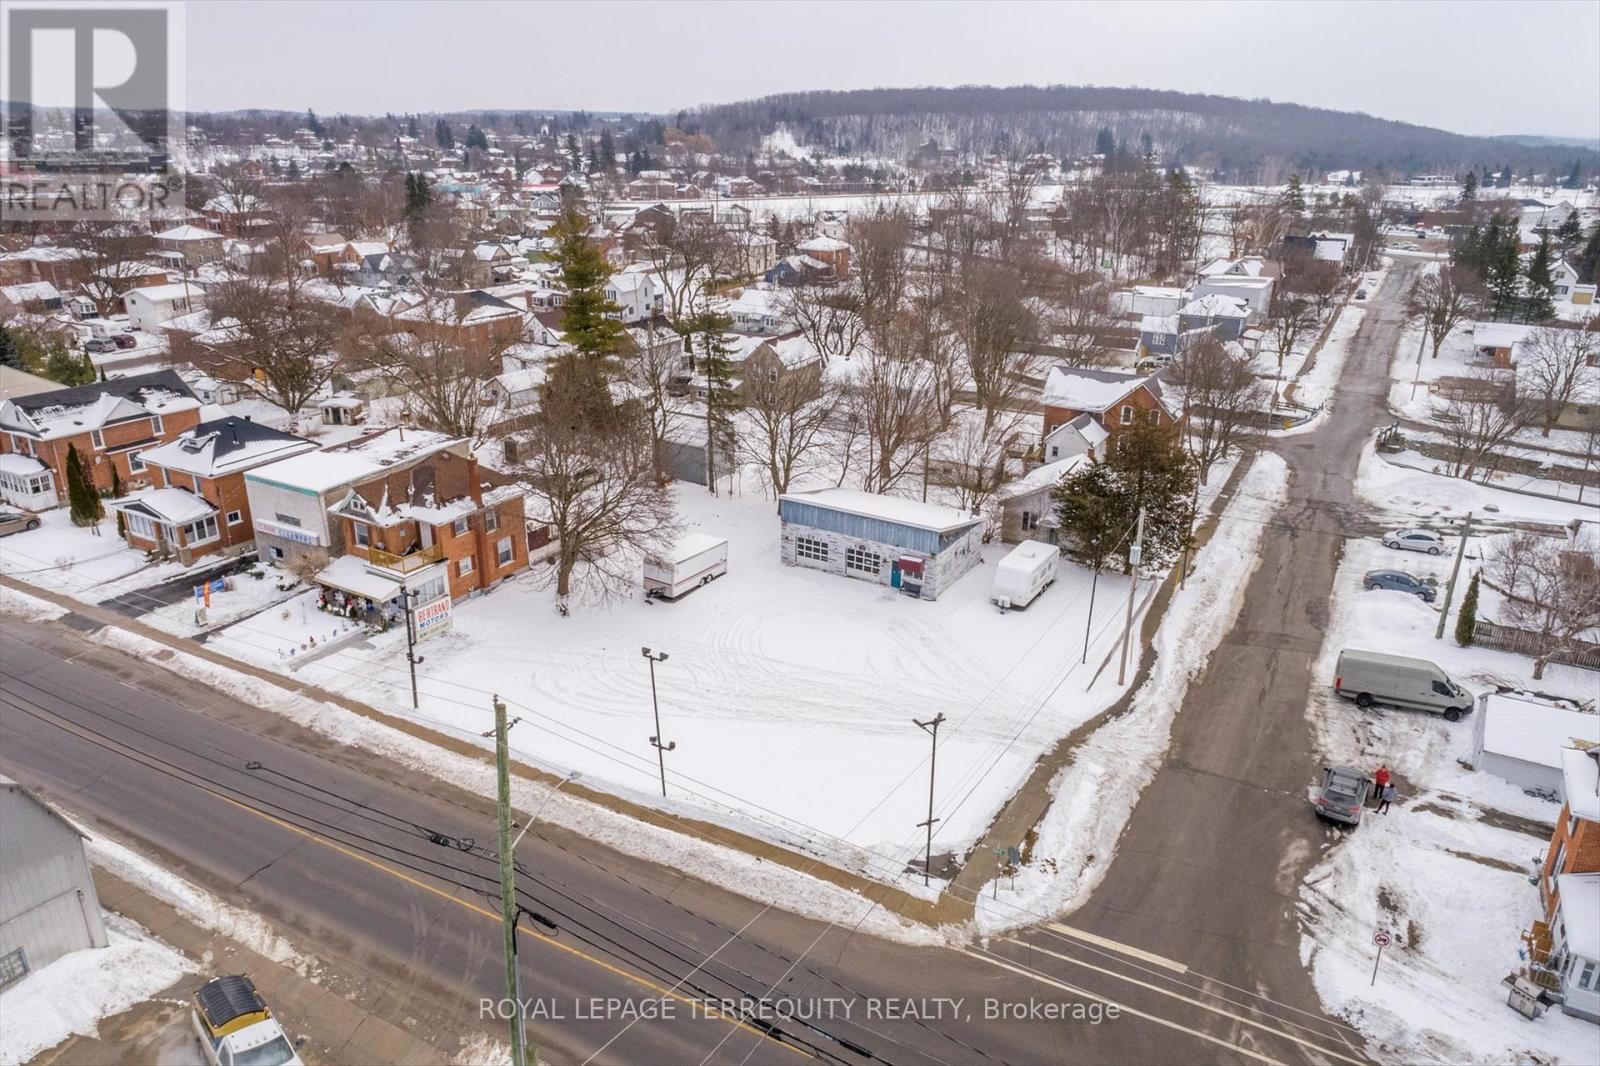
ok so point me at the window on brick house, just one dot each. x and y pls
(491, 520)
(504, 552)
(1127, 414)
(464, 567)
(461, 526)
(363, 535)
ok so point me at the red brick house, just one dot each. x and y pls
(197, 503)
(1113, 400)
(109, 422)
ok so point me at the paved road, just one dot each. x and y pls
(335, 846)
(1210, 865)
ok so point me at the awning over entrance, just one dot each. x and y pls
(349, 573)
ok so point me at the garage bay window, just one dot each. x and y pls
(863, 560)
(811, 548)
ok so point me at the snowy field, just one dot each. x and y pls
(75, 560)
(1449, 885)
(790, 693)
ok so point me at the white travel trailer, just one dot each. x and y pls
(1028, 570)
(688, 563)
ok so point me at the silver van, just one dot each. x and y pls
(1370, 677)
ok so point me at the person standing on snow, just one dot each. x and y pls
(1387, 797)
(1380, 781)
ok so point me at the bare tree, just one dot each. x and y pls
(1551, 588)
(829, 318)
(655, 369)
(1290, 317)
(1553, 369)
(1319, 281)
(114, 255)
(1444, 300)
(879, 261)
(1017, 184)
(687, 253)
(1222, 398)
(599, 488)
(891, 403)
(971, 458)
(1076, 323)
(285, 343)
(785, 417)
(1476, 430)
(998, 329)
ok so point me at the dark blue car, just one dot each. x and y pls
(1400, 581)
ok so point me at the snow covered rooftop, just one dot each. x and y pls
(349, 573)
(1580, 911)
(1499, 334)
(896, 509)
(1042, 477)
(1083, 389)
(328, 469)
(688, 546)
(1534, 731)
(166, 293)
(225, 446)
(188, 233)
(1216, 305)
(822, 244)
(174, 506)
(1580, 783)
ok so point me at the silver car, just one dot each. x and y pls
(1415, 540)
(1342, 794)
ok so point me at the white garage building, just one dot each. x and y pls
(1520, 737)
(919, 548)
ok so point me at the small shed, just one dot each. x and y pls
(343, 409)
(1520, 737)
(920, 548)
(48, 905)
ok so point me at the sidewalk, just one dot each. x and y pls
(326, 1026)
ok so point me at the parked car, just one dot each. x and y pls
(1342, 795)
(235, 1027)
(125, 340)
(1414, 540)
(1371, 677)
(16, 520)
(100, 344)
(1423, 588)
(1361, 294)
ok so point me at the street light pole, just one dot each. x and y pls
(1135, 555)
(930, 727)
(1421, 343)
(655, 741)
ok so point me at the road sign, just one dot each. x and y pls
(1382, 939)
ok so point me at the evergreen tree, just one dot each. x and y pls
(1469, 187)
(1294, 199)
(706, 331)
(1504, 180)
(1569, 234)
(313, 124)
(1467, 620)
(418, 195)
(1589, 259)
(116, 494)
(476, 138)
(1541, 286)
(411, 126)
(294, 170)
(9, 354)
(1575, 178)
(442, 134)
(588, 326)
(1105, 142)
(82, 499)
(68, 367)
(608, 152)
(1099, 503)
(574, 153)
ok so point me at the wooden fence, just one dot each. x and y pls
(1508, 638)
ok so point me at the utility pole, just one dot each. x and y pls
(509, 911)
(1135, 554)
(930, 727)
(1088, 624)
(655, 741)
(1421, 342)
(1450, 589)
(412, 658)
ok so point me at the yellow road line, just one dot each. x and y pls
(1117, 946)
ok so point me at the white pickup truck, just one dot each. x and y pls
(236, 1028)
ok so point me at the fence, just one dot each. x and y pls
(1508, 638)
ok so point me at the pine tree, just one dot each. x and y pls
(574, 153)
(706, 331)
(588, 326)
(1469, 187)
(9, 355)
(418, 196)
(1575, 178)
(116, 494)
(1099, 503)
(1541, 287)
(313, 123)
(1105, 142)
(1570, 233)
(1467, 620)
(294, 170)
(1294, 199)
(442, 134)
(83, 500)
(608, 152)
(1589, 259)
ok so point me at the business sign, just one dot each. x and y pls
(299, 536)
(432, 618)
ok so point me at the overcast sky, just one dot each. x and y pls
(1477, 67)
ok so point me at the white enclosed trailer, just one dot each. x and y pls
(1028, 570)
(691, 561)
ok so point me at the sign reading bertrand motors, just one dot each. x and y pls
(432, 618)
(299, 536)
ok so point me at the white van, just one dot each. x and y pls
(1028, 570)
(1370, 677)
(693, 560)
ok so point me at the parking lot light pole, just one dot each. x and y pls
(655, 741)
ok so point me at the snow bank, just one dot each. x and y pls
(71, 995)
(29, 608)
(198, 905)
(1096, 793)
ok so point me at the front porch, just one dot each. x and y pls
(170, 522)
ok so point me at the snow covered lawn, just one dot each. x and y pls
(248, 596)
(74, 560)
(1405, 490)
(1450, 886)
(70, 996)
(790, 693)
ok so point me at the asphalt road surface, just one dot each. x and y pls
(390, 877)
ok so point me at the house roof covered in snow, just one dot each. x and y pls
(188, 233)
(331, 468)
(175, 507)
(1499, 334)
(895, 509)
(1533, 730)
(81, 408)
(1041, 478)
(821, 243)
(1580, 783)
(1216, 305)
(226, 446)
(1580, 911)
(1083, 389)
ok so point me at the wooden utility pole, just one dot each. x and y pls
(1135, 554)
(509, 911)
(930, 727)
(1450, 589)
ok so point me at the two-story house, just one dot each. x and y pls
(637, 293)
(1113, 400)
(108, 422)
(197, 504)
(1564, 947)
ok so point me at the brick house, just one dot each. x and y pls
(1564, 946)
(1113, 400)
(109, 422)
(437, 518)
(207, 465)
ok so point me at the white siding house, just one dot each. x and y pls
(1521, 738)
(48, 905)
